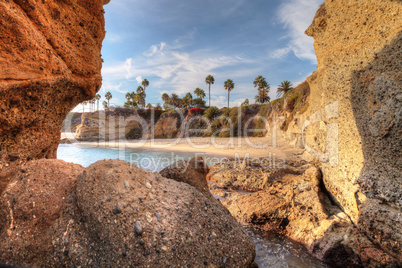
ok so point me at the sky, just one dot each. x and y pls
(175, 44)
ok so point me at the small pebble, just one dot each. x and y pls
(138, 228)
(117, 209)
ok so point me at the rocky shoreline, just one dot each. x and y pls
(345, 207)
(293, 201)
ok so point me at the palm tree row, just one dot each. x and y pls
(137, 99)
(186, 102)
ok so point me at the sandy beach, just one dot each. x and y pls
(231, 147)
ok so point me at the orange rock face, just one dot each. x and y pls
(50, 61)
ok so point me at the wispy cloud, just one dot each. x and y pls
(297, 15)
(171, 68)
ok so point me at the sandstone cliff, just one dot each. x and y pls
(356, 94)
(49, 62)
(121, 123)
(352, 121)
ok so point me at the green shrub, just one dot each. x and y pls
(212, 112)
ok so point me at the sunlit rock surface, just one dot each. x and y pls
(58, 214)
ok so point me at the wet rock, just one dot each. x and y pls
(296, 206)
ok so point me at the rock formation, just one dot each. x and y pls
(168, 126)
(293, 202)
(58, 214)
(117, 124)
(193, 172)
(356, 93)
(49, 62)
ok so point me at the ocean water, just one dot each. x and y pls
(271, 250)
(146, 159)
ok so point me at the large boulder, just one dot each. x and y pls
(356, 95)
(114, 214)
(36, 214)
(50, 61)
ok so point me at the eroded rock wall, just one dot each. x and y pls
(50, 60)
(356, 93)
(118, 124)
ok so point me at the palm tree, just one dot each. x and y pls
(165, 97)
(92, 102)
(108, 96)
(260, 82)
(188, 100)
(175, 100)
(284, 87)
(98, 97)
(199, 92)
(145, 83)
(104, 103)
(262, 96)
(141, 95)
(209, 80)
(136, 98)
(263, 89)
(83, 106)
(229, 86)
(245, 103)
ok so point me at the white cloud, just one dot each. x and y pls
(127, 67)
(113, 37)
(222, 101)
(139, 79)
(297, 15)
(171, 69)
(279, 53)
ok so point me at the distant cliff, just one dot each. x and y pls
(121, 123)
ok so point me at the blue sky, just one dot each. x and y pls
(175, 44)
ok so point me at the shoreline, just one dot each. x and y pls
(255, 147)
